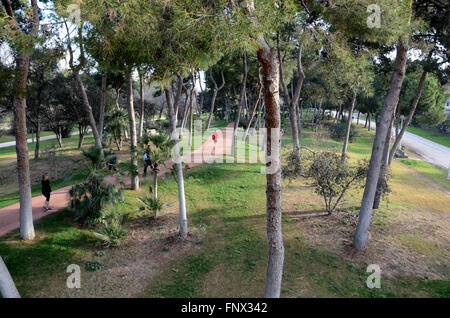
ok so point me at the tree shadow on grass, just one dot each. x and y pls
(306, 213)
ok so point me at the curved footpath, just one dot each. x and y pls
(9, 216)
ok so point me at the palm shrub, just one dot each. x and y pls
(112, 232)
(160, 147)
(331, 177)
(153, 205)
(89, 197)
(116, 122)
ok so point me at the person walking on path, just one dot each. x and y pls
(214, 138)
(46, 191)
(147, 160)
(112, 163)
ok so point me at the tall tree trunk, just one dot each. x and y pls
(349, 126)
(384, 168)
(227, 109)
(216, 91)
(269, 61)
(142, 106)
(398, 140)
(292, 101)
(191, 118)
(7, 287)
(357, 120)
(133, 135)
(370, 121)
(23, 166)
(38, 139)
(101, 118)
(88, 109)
(202, 97)
(390, 103)
(241, 105)
(22, 60)
(258, 97)
(81, 132)
(176, 154)
(155, 184)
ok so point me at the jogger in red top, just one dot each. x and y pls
(214, 138)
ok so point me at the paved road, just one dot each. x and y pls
(428, 150)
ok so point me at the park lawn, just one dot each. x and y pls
(8, 138)
(67, 158)
(226, 202)
(436, 137)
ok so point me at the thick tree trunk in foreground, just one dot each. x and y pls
(7, 287)
(133, 135)
(22, 60)
(390, 103)
(101, 118)
(349, 126)
(176, 157)
(241, 105)
(23, 165)
(269, 61)
(398, 140)
(216, 91)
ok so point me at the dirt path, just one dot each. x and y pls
(9, 216)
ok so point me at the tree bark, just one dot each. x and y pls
(38, 139)
(7, 287)
(176, 154)
(349, 126)
(142, 104)
(133, 135)
(101, 118)
(23, 166)
(398, 140)
(20, 124)
(88, 109)
(384, 167)
(269, 61)
(241, 105)
(292, 101)
(388, 109)
(216, 91)
(258, 97)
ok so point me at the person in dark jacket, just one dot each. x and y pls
(46, 190)
(112, 163)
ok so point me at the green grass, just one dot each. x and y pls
(8, 138)
(13, 198)
(228, 201)
(437, 174)
(436, 137)
(71, 141)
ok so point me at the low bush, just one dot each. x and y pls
(112, 232)
(338, 130)
(94, 265)
(331, 177)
